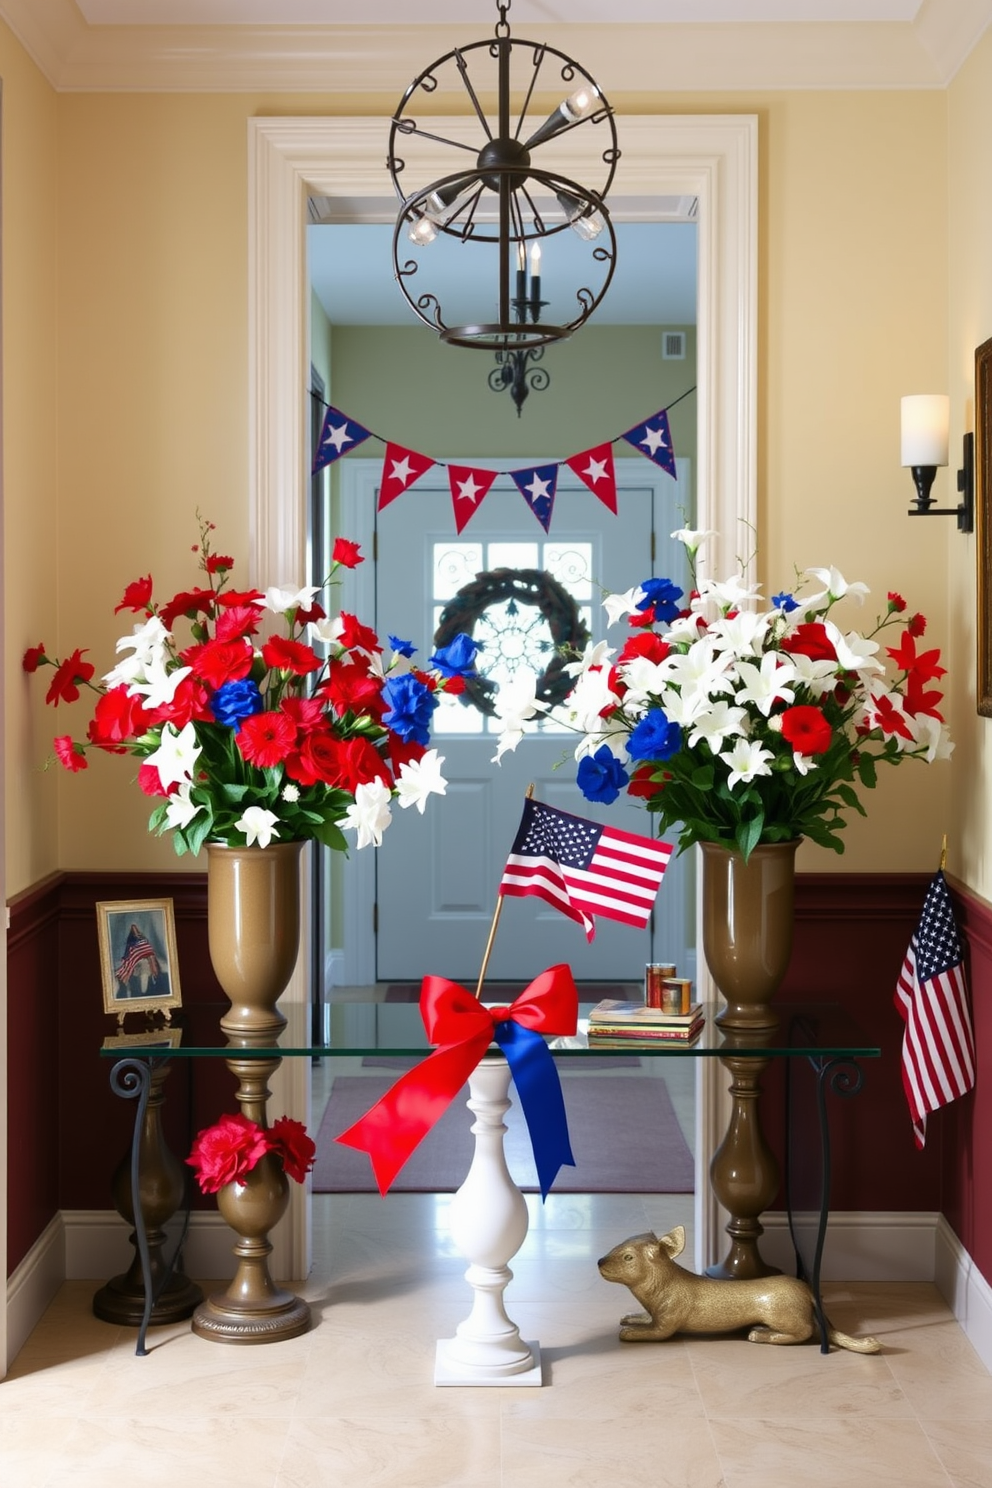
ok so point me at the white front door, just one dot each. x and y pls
(438, 874)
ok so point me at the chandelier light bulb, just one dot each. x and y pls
(580, 104)
(421, 231)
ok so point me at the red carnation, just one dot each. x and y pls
(917, 624)
(117, 717)
(150, 781)
(236, 621)
(189, 705)
(306, 713)
(137, 596)
(896, 602)
(810, 640)
(646, 644)
(642, 786)
(33, 657)
(68, 674)
(226, 1152)
(70, 754)
(282, 655)
(217, 563)
(402, 751)
(807, 730)
(217, 662)
(265, 739)
(346, 553)
(190, 602)
(318, 758)
(310, 614)
(350, 689)
(237, 597)
(354, 633)
(294, 1145)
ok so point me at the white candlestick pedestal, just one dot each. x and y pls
(489, 1224)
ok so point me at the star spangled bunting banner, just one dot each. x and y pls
(938, 1046)
(339, 435)
(537, 487)
(400, 468)
(583, 868)
(595, 467)
(468, 488)
(654, 439)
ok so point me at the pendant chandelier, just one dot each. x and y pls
(508, 191)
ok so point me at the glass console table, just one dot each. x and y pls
(822, 1047)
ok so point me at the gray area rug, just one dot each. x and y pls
(624, 1132)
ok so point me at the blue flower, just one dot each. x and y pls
(402, 648)
(661, 595)
(456, 659)
(654, 738)
(234, 701)
(784, 602)
(600, 777)
(411, 706)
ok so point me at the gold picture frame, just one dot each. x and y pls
(983, 504)
(139, 962)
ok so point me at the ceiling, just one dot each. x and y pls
(351, 47)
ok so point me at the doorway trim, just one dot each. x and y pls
(710, 156)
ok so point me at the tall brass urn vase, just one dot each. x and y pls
(747, 942)
(253, 925)
(747, 927)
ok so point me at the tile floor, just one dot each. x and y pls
(352, 1403)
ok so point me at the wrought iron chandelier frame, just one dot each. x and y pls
(458, 203)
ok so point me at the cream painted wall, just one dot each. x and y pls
(152, 386)
(970, 324)
(32, 539)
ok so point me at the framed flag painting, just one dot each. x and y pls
(138, 959)
(983, 506)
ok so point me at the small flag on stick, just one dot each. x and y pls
(938, 1046)
(583, 868)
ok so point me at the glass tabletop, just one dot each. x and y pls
(365, 1026)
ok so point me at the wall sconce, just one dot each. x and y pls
(925, 420)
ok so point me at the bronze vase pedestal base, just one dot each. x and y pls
(747, 942)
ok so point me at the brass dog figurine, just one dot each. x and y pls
(780, 1308)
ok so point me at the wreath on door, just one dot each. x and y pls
(568, 632)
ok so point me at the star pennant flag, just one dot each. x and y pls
(400, 468)
(654, 439)
(537, 487)
(584, 868)
(339, 435)
(468, 487)
(596, 468)
(938, 1046)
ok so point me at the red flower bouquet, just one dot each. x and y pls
(226, 1152)
(250, 737)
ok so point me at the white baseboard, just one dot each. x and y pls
(97, 1245)
(859, 1246)
(964, 1289)
(334, 969)
(33, 1284)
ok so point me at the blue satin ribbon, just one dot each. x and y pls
(536, 1077)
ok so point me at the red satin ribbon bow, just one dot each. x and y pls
(463, 1030)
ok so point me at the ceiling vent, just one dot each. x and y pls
(673, 346)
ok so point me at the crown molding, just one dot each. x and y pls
(351, 60)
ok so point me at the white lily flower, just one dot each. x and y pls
(587, 700)
(817, 677)
(181, 810)
(742, 633)
(702, 666)
(597, 655)
(176, 755)
(370, 815)
(931, 735)
(835, 586)
(149, 644)
(730, 593)
(258, 825)
(764, 685)
(516, 705)
(686, 706)
(159, 686)
(690, 539)
(644, 678)
(855, 653)
(420, 778)
(803, 762)
(719, 723)
(328, 631)
(609, 734)
(618, 605)
(746, 760)
(279, 599)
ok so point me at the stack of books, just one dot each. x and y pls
(615, 1022)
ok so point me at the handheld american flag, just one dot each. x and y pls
(583, 868)
(938, 1046)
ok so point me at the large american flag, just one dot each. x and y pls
(938, 1046)
(583, 868)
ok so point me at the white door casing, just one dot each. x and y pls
(712, 157)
